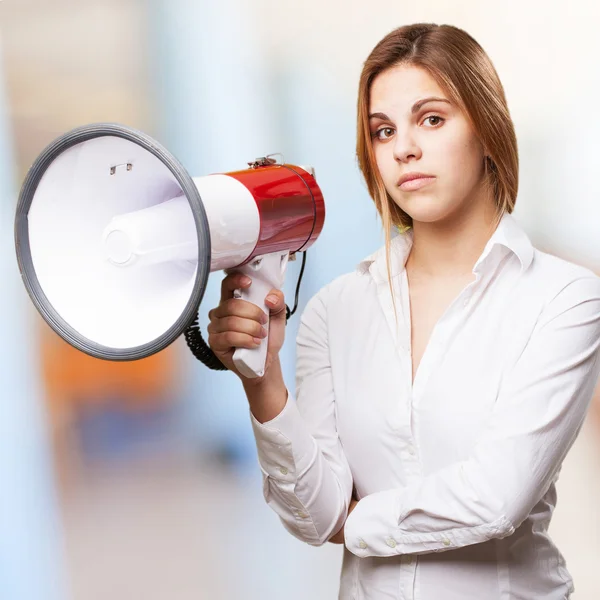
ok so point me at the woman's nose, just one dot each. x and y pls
(405, 148)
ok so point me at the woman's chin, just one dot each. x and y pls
(426, 209)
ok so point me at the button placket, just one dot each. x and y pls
(407, 578)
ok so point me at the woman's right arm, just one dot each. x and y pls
(306, 477)
(268, 397)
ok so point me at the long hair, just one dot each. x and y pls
(462, 68)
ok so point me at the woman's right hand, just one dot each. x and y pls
(237, 323)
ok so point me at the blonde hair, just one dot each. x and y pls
(462, 68)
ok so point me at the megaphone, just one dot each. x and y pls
(115, 240)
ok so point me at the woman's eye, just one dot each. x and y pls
(437, 120)
(384, 133)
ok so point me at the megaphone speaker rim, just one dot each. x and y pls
(23, 250)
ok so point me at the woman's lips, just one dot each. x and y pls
(415, 184)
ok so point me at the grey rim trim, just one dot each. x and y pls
(23, 250)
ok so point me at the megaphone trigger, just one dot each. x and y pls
(266, 272)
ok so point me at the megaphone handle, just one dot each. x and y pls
(267, 272)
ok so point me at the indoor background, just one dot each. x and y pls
(140, 480)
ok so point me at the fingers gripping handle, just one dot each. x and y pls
(267, 272)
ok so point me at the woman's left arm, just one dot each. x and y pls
(537, 416)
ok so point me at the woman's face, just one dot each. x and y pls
(415, 129)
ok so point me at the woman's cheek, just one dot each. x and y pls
(384, 165)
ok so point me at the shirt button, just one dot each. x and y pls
(361, 544)
(411, 450)
(391, 542)
(409, 559)
(446, 542)
(283, 470)
(302, 514)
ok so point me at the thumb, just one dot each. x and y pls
(276, 304)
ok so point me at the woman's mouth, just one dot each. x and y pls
(416, 183)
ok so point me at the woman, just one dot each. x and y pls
(441, 384)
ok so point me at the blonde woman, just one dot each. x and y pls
(440, 385)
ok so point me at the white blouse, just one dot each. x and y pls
(456, 473)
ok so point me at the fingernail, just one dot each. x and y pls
(272, 299)
(257, 340)
(246, 280)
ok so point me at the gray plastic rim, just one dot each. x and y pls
(23, 250)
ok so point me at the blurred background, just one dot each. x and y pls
(140, 480)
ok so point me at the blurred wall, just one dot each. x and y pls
(219, 84)
(31, 540)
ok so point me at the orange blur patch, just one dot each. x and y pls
(71, 377)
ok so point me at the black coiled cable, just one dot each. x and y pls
(200, 349)
(203, 352)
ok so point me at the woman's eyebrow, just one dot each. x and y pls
(417, 105)
(415, 108)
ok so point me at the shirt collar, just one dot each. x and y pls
(508, 235)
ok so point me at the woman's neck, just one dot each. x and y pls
(450, 249)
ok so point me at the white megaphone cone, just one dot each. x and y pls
(115, 240)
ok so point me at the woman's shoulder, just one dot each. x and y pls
(351, 282)
(551, 274)
(344, 291)
(547, 262)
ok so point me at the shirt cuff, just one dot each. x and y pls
(286, 449)
(370, 527)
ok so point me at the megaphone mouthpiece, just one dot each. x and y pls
(160, 233)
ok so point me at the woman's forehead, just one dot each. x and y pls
(401, 86)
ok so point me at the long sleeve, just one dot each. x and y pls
(306, 477)
(539, 411)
